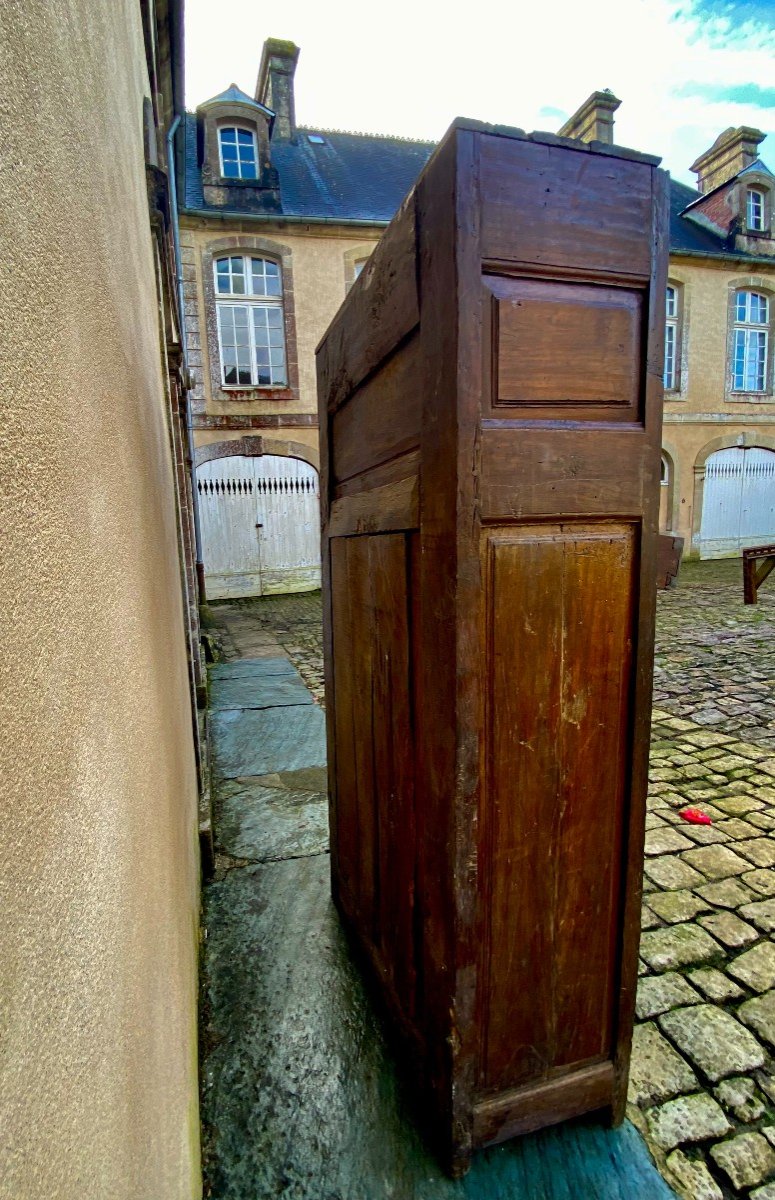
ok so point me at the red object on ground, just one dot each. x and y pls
(694, 816)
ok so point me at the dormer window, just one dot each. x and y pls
(237, 147)
(755, 205)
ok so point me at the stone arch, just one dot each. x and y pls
(744, 439)
(254, 446)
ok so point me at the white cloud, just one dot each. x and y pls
(420, 66)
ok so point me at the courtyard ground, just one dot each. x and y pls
(283, 1003)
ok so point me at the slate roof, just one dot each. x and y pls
(235, 95)
(352, 176)
(359, 176)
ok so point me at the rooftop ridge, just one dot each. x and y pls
(385, 137)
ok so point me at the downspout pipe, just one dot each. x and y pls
(172, 176)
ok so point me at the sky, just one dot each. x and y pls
(684, 69)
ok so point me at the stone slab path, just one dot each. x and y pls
(300, 1098)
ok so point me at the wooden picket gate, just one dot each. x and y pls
(738, 505)
(260, 520)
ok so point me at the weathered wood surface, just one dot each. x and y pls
(669, 552)
(758, 565)
(489, 491)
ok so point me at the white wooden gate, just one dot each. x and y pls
(260, 520)
(738, 503)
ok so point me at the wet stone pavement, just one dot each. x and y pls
(299, 1096)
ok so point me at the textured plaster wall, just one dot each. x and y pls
(703, 410)
(98, 890)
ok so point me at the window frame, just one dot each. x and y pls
(751, 226)
(253, 302)
(240, 178)
(673, 325)
(742, 331)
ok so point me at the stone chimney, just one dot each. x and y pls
(732, 151)
(594, 121)
(275, 85)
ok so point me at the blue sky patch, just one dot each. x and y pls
(735, 93)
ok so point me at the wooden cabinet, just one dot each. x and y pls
(490, 408)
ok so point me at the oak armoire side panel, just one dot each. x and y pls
(374, 825)
(559, 601)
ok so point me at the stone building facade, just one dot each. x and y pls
(306, 205)
(315, 202)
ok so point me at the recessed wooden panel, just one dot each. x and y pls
(554, 206)
(566, 345)
(560, 628)
(381, 420)
(374, 813)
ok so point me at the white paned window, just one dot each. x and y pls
(358, 267)
(672, 304)
(238, 152)
(749, 346)
(754, 202)
(251, 334)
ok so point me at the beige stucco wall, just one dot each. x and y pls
(98, 890)
(321, 258)
(703, 416)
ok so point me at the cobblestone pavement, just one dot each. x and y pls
(703, 1065)
(259, 627)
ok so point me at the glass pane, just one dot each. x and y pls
(244, 375)
(230, 375)
(228, 135)
(264, 377)
(245, 138)
(741, 306)
(229, 153)
(230, 170)
(275, 337)
(240, 318)
(670, 302)
(274, 317)
(222, 266)
(277, 357)
(224, 283)
(271, 267)
(758, 308)
(669, 380)
(248, 170)
(238, 285)
(273, 286)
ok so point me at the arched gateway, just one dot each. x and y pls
(260, 522)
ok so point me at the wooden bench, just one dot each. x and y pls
(754, 574)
